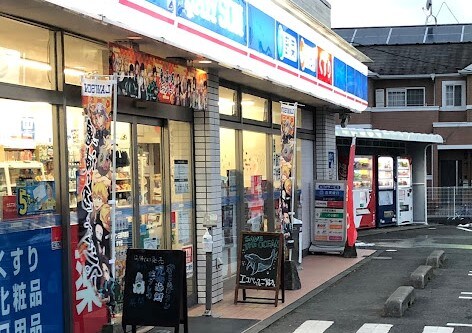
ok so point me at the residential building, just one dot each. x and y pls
(420, 80)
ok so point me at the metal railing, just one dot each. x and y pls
(452, 203)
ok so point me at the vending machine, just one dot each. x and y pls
(404, 191)
(386, 192)
(364, 192)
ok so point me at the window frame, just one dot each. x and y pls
(453, 83)
(405, 91)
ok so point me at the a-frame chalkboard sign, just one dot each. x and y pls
(155, 289)
(260, 266)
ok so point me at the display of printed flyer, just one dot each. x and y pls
(329, 226)
(36, 197)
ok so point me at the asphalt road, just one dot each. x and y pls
(359, 297)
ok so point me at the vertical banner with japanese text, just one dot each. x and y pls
(93, 274)
(287, 166)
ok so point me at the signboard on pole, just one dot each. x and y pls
(329, 225)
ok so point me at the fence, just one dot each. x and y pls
(449, 203)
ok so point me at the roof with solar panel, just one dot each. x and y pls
(407, 50)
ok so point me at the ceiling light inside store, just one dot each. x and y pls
(247, 103)
(73, 72)
(204, 61)
(135, 37)
(225, 102)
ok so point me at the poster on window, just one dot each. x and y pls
(287, 161)
(93, 287)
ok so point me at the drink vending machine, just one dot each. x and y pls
(386, 193)
(404, 191)
(364, 192)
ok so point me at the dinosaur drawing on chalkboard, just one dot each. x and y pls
(259, 264)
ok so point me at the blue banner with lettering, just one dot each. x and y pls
(261, 32)
(308, 56)
(224, 17)
(287, 45)
(30, 282)
(339, 74)
(168, 5)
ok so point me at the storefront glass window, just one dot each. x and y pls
(30, 241)
(254, 107)
(255, 181)
(227, 101)
(229, 200)
(24, 54)
(182, 202)
(82, 57)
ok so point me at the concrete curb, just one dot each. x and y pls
(289, 308)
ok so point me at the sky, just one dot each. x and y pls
(371, 13)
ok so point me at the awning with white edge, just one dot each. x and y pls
(388, 135)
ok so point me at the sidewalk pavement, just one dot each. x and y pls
(316, 274)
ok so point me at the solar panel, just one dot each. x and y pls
(467, 33)
(346, 34)
(443, 34)
(407, 35)
(372, 36)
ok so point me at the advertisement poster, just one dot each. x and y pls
(36, 197)
(30, 282)
(94, 281)
(330, 213)
(181, 174)
(287, 162)
(149, 78)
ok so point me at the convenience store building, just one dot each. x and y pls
(198, 123)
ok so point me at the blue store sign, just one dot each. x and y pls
(165, 4)
(287, 45)
(308, 57)
(261, 32)
(224, 17)
(30, 283)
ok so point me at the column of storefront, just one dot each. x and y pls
(325, 144)
(208, 188)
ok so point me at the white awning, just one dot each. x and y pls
(387, 135)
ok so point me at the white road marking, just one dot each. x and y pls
(465, 297)
(437, 329)
(314, 326)
(465, 229)
(459, 325)
(466, 293)
(374, 328)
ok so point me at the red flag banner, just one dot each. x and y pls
(351, 228)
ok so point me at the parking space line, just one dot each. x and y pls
(374, 328)
(437, 329)
(314, 326)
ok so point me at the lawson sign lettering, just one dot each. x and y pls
(225, 17)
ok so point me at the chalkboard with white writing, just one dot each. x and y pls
(260, 264)
(155, 292)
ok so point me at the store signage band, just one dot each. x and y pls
(233, 25)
